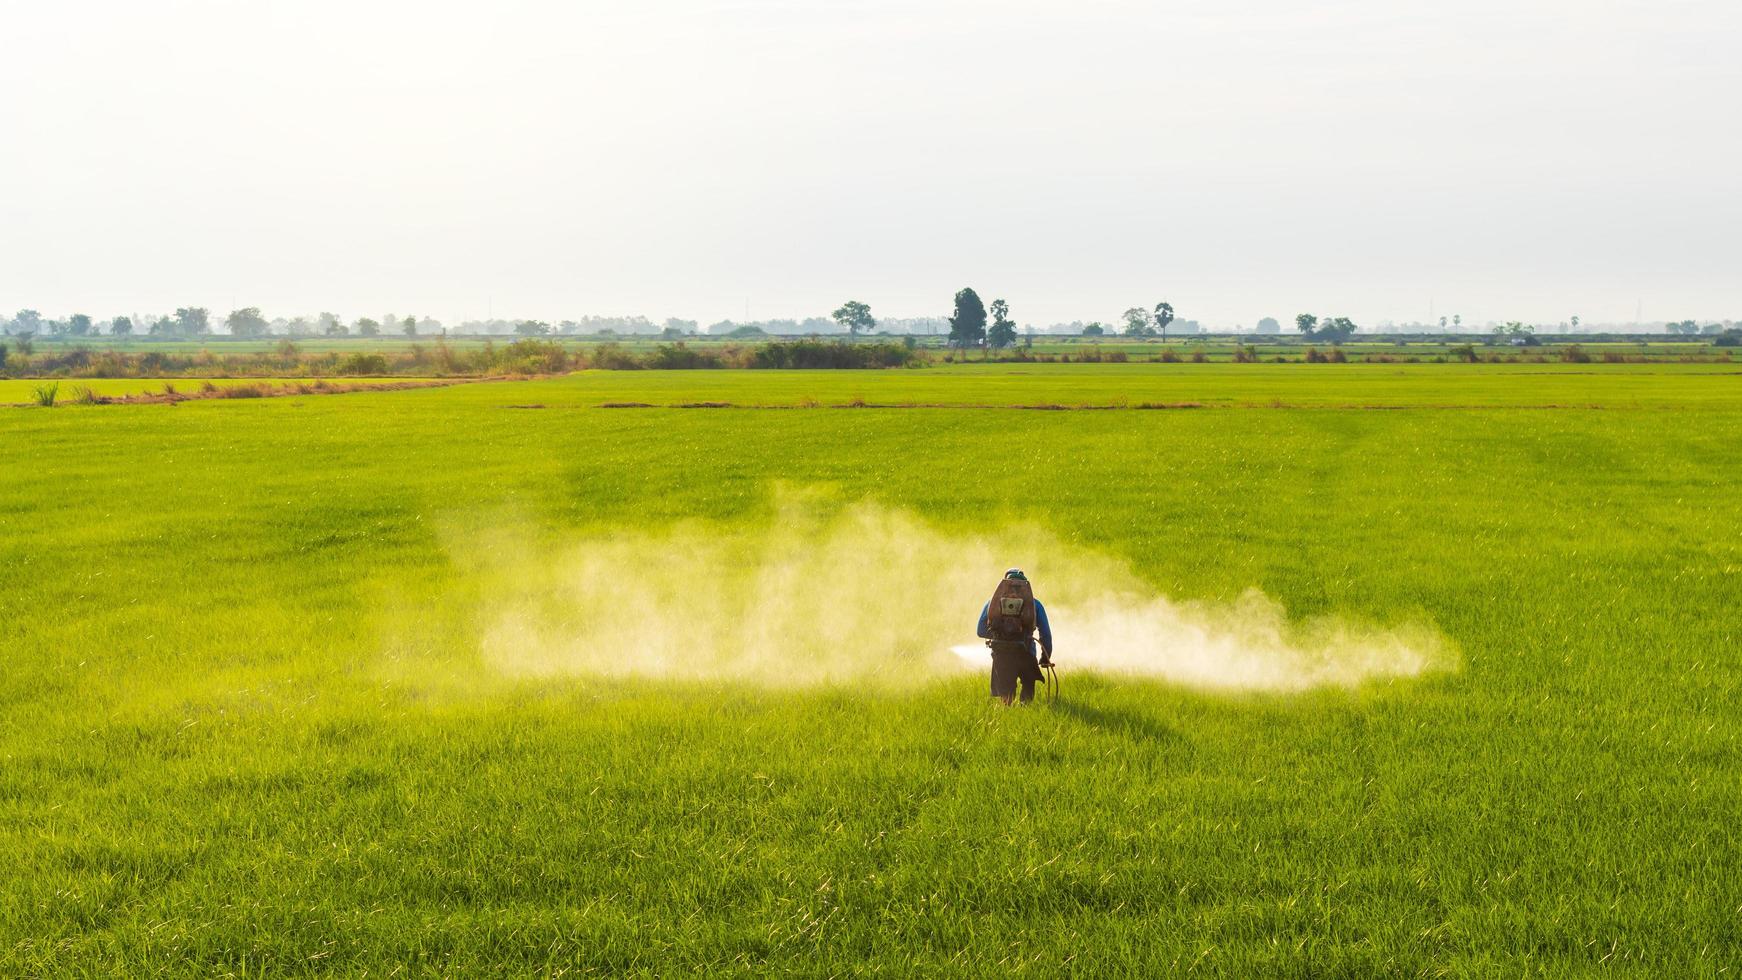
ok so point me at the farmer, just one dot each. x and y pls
(1007, 624)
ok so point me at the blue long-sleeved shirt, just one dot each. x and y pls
(1040, 624)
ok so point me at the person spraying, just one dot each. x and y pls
(1008, 624)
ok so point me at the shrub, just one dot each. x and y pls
(2, 357)
(1245, 355)
(679, 357)
(1314, 356)
(531, 356)
(1731, 337)
(361, 363)
(1466, 353)
(612, 357)
(1168, 357)
(45, 394)
(244, 391)
(1574, 354)
(83, 395)
(1198, 357)
(445, 356)
(812, 354)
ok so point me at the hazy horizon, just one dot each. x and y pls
(769, 158)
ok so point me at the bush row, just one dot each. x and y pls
(439, 360)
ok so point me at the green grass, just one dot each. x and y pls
(1662, 387)
(247, 728)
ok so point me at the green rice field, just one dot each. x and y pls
(493, 679)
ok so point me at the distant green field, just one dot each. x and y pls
(316, 685)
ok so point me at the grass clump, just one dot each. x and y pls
(362, 363)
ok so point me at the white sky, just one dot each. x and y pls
(1525, 159)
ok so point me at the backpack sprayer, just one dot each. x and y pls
(1011, 614)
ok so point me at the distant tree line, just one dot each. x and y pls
(440, 359)
(972, 323)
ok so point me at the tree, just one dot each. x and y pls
(1094, 330)
(532, 328)
(1307, 324)
(27, 321)
(332, 326)
(855, 316)
(1268, 325)
(1003, 332)
(1442, 323)
(78, 325)
(246, 322)
(1163, 317)
(193, 321)
(968, 323)
(1136, 322)
(368, 327)
(408, 326)
(162, 327)
(1336, 329)
(121, 326)
(1575, 322)
(1457, 320)
(1516, 332)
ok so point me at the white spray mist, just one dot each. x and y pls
(865, 594)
